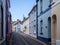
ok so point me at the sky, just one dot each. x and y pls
(21, 7)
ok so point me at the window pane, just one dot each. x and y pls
(41, 26)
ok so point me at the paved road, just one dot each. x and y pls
(23, 39)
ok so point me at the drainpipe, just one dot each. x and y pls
(3, 20)
(6, 21)
(37, 19)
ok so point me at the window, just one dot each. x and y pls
(34, 32)
(25, 27)
(34, 25)
(41, 5)
(34, 20)
(49, 27)
(41, 27)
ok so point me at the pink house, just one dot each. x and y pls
(9, 24)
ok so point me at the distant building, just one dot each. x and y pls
(25, 25)
(32, 22)
(13, 28)
(21, 26)
(17, 26)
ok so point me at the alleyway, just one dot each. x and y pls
(23, 39)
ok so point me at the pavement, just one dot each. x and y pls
(24, 39)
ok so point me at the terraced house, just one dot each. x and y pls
(48, 21)
(16, 26)
(4, 9)
(25, 25)
(32, 22)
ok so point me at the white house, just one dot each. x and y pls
(32, 22)
(44, 20)
(17, 26)
(13, 28)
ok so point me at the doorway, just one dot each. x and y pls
(54, 26)
(49, 28)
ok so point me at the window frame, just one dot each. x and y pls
(41, 27)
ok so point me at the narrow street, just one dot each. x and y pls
(23, 39)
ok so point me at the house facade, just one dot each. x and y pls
(48, 21)
(32, 22)
(21, 26)
(17, 26)
(44, 20)
(25, 25)
(13, 28)
(4, 8)
(55, 23)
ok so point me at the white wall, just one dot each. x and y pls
(45, 5)
(44, 17)
(17, 27)
(32, 22)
